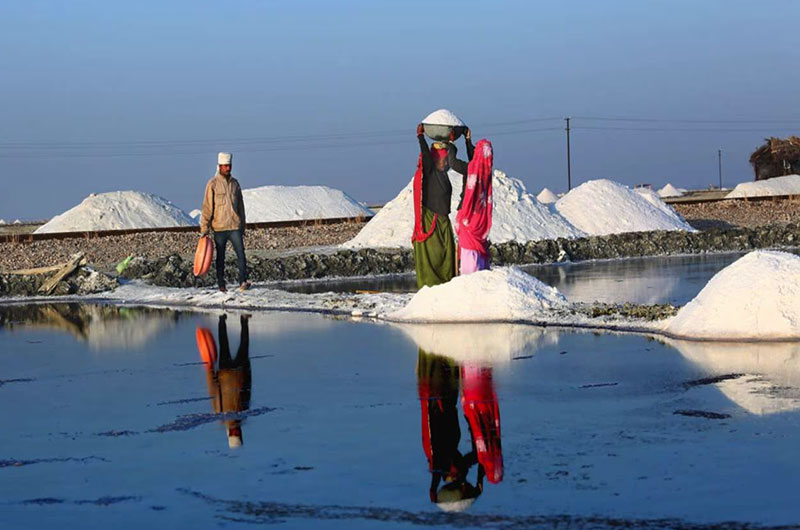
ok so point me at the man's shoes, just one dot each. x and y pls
(245, 286)
(223, 289)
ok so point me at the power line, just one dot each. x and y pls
(60, 145)
(680, 120)
(163, 150)
(684, 129)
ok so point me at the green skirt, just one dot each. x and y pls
(435, 258)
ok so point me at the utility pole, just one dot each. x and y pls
(569, 160)
(719, 157)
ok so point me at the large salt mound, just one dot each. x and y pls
(118, 210)
(516, 216)
(294, 203)
(757, 297)
(497, 295)
(547, 197)
(600, 207)
(788, 185)
(671, 191)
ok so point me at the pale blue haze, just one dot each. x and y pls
(123, 72)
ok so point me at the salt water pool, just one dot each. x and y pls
(112, 419)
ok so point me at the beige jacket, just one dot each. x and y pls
(223, 205)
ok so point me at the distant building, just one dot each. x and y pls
(776, 158)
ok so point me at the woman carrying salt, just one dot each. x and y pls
(434, 244)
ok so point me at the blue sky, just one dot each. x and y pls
(102, 96)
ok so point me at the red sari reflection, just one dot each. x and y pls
(438, 380)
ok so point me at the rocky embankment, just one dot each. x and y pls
(84, 281)
(175, 271)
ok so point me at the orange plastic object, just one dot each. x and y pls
(203, 256)
(206, 346)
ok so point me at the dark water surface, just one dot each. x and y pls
(653, 280)
(111, 419)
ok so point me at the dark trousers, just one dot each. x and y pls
(220, 242)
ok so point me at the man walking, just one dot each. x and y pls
(223, 212)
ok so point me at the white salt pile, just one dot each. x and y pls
(546, 196)
(788, 185)
(443, 117)
(293, 203)
(517, 216)
(755, 298)
(196, 214)
(3, 222)
(600, 207)
(118, 210)
(498, 295)
(671, 191)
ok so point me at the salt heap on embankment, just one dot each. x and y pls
(788, 185)
(294, 203)
(517, 216)
(671, 191)
(503, 294)
(755, 298)
(597, 207)
(601, 207)
(195, 214)
(118, 210)
(546, 196)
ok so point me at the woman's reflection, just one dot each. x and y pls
(229, 382)
(438, 379)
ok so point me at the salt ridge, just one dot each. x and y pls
(601, 207)
(788, 185)
(292, 203)
(118, 210)
(517, 216)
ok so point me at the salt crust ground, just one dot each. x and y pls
(118, 210)
(756, 298)
(788, 185)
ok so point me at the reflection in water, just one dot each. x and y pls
(102, 326)
(229, 378)
(762, 377)
(438, 380)
(486, 343)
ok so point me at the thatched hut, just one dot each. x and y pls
(776, 158)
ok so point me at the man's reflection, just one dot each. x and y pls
(438, 380)
(229, 380)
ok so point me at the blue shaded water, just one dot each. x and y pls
(111, 419)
